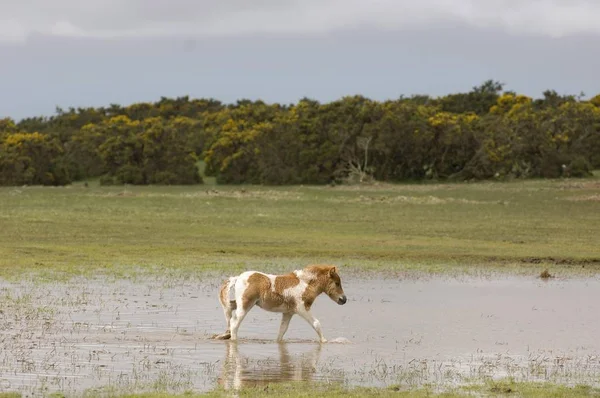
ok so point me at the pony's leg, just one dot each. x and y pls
(228, 311)
(285, 322)
(314, 322)
(228, 308)
(236, 320)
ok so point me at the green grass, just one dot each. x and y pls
(306, 390)
(521, 226)
(505, 388)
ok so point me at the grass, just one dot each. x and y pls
(523, 226)
(305, 390)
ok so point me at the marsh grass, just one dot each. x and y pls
(502, 388)
(431, 228)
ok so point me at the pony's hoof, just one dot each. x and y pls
(224, 336)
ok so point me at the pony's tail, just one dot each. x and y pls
(227, 295)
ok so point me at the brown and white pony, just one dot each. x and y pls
(290, 294)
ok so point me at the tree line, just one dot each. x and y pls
(486, 133)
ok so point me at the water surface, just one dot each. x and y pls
(154, 334)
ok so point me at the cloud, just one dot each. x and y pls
(208, 18)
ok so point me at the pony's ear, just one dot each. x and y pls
(333, 270)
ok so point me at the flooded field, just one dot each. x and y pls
(154, 335)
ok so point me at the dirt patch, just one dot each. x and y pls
(381, 187)
(249, 194)
(121, 194)
(421, 200)
(585, 198)
(211, 193)
(580, 185)
(560, 261)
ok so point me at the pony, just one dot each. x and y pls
(289, 294)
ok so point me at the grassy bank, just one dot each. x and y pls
(303, 390)
(517, 226)
(493, 389)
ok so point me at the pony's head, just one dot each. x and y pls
(333, 286)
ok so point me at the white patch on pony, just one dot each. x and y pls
(241, 284)
(305, 276)
(296, 292)
(272, 280)
(231, 288)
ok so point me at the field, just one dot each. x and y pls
(110, 290)
(430, 228)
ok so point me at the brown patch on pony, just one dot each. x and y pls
(224, 293)
(283, 282)
(261, 292)
(320, 269)
(258, 284)
(224, 296)
(325, 280)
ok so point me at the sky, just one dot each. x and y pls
(98, 52)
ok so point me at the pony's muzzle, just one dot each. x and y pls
(342, 300)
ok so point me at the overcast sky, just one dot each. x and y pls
(96, 52)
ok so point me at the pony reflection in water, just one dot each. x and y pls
(241, 371)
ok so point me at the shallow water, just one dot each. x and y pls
(155, 335)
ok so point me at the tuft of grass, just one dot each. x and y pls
(545, 274)
(532, 389)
